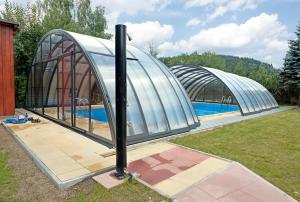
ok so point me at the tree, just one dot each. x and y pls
(91, 22)
(58, 14)
(153, 50)
(25, 42)
(290, 75)
(239, 69)
(37, 19)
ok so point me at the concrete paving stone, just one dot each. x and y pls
(237, 183)
(158, 167)
(108, 180)
(95, 166)
(148, 150)
(159, 173)
(200, 171)
(139, 166)
(53, 155)
(150, 174)
(154, 148)
(89, 162)
(227, 181)
(183, 153)
(73, 174)
(265, 192)
(195, 195)
(109, 162)
(152, 162)
(239, 196)
(182, 163)
(236, 170)
(61, 165)
(135, 156)
(168, 187)
(85, 157)
(106, 163)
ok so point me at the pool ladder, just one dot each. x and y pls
(82, 101)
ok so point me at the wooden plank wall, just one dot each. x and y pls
(7, 90)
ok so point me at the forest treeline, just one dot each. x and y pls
(261, 72)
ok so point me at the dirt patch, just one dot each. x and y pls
(32, 184)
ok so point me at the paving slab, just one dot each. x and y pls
(67, 157)
(59, 152)
(235, 183)
(184, 174)
(108, 180)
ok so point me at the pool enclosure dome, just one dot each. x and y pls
(72, 81)
(213, 85)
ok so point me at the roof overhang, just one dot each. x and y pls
(7, 23)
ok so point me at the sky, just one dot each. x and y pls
(258, 29)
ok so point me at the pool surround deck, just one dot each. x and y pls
(68, 157)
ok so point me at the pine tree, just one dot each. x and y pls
(290, 76)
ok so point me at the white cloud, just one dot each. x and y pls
(2, 7)
(115, 8)
(258, 37)
(232, 6)
(220, 7)
(198, 3)
(150, 32)
(193, 22)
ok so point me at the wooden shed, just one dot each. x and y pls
(7, 87)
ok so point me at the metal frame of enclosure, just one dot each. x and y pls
(251, 96)
(72, 76)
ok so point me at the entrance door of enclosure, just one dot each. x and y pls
(82, 94)
(38, 87)
(89, 110)
(64, 88)
(79, 98)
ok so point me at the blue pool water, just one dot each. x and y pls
(201, 109)
(97, 114)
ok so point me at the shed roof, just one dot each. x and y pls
(11, 24)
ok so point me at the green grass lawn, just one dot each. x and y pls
(268, 145)
(129, 191)
(7, 187)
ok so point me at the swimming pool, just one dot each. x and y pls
(201, 109)
(98, 114)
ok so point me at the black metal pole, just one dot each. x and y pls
(121, 100)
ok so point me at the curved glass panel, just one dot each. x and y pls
(199, 83)
(182, 96)
(72, 81)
